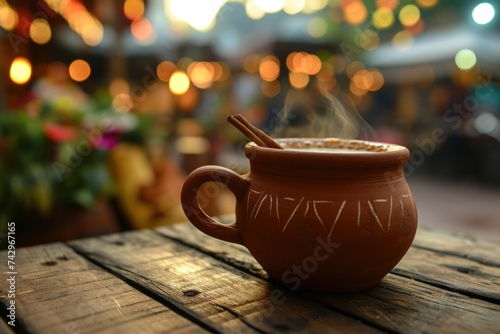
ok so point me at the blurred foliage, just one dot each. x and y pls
(56, 153)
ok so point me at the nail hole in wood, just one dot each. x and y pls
(191, 293)
(63, 258)
(118, 243)
(49, 263)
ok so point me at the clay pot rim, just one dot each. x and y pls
(389, 154)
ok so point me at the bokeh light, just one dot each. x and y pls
(143, 31)
(164, 70)
(311, 6)
(79, 70)
(402, 41)
(254, 12)
(292, 7)
(483, 13)
(390, 4)
(122, 102)
(201, 74)
(8, 18)
(427, 3)
(409, 15)
(20, 70)
(465, 59)
(298, 80)
(383, 18)
(269, 68)
(179, 82)
(40, 31)
(486, 123)
(355, 13)
(199, 14)
(269, 6)
(353, 68)
(133, 9)
(303, 62)
(317, 27)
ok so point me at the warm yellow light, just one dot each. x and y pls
(222, 71)
(311, 6)
(269, 68)
(303, 62)
(390, 4)
(292, 7)
(298, 80)
(199, 14)
(179, 82)
(79, 70)
(164, 70)
(353, 68)
(356, 90)
(143, 31)
(383, 18)
(355, 13)
(427, 3)
(8, 18)
(253, 12)
(133, 9)
(465, 59)
(366, 80)
(317, 27)
(409, 15)
(270, 6)
(201, 74)
(92, 33)
(378, 80)
(122, 102)
(40, 31)
(403, 40)
(20, 70)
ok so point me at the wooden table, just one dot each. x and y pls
(177, 280)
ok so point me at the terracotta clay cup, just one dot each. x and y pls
(328, 215)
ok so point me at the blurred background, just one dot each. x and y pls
(107, 105)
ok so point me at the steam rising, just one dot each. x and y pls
(318, 114)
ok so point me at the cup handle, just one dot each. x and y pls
(191, 205)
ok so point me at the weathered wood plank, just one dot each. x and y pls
(477, 249)
(454, 272)
(397, 303)
(224, 297)
(58, 291)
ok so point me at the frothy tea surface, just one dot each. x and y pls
(334, 145)
(328, 150)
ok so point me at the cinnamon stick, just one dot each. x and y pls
(258, 136)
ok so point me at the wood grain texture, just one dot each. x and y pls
(480, 250)
(221, 296)
(416, 299)
(58, 291)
